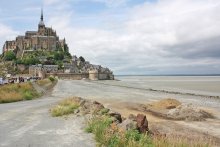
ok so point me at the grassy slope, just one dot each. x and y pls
(22, 91)
(17, 92)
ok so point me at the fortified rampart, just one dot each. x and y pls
(72, 76)
(80, 76)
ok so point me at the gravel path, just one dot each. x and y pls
(29, 124)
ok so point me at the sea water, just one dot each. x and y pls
(201, 85)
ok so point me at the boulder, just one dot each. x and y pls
(92, 107)
(142, 123)
(96, 107)
(116, 116)
(128, 124)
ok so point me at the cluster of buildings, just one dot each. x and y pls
(76, 70)
(46, 39)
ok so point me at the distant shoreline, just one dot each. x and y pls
(165, 91)
(168, 75)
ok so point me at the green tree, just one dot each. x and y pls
(59, 56)
(68, 55)
(60, 64)
(30, 61)
(66, 48)
(18, 61)
(82, 59)
(9, 56)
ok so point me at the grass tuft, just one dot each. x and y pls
(28, 95)
(65, 107)
(52, 79)
(43, 82)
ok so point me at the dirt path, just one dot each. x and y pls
(29, 124)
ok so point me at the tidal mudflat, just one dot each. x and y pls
(119, 95)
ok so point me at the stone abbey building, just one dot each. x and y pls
(45, 38)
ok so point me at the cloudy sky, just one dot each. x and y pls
(128, 36)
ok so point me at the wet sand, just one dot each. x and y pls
(117, 94)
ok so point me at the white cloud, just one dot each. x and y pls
(51, 2)
(155, 36)
(109, 3)
(6, 33)
(112, 3)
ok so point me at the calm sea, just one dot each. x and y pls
(204, 85)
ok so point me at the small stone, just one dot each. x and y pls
(76, 111)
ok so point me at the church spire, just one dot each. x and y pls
(42, 15)
(41, 23)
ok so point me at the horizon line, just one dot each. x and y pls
(167, 75)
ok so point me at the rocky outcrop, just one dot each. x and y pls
(89, 107)
(93, 108)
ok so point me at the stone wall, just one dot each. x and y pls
(72, 76)
(80, 76)
(105, 76)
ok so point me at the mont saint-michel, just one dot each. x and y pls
(45, 38)
(44, 54)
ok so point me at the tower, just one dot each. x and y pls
(41, 25)
(42, 15)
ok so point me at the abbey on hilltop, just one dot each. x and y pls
(45, 38)
(42, 54)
